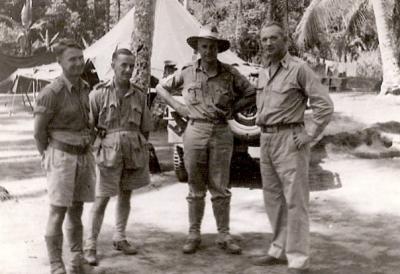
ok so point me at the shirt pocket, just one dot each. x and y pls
(135, 116)
(193, 93)
(108, 115)
(283, 96)
(222, 98)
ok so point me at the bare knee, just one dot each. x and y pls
(100, 204)
(74, 214)
(55, 220)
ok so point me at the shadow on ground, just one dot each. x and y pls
(337, 248)
(245, 171)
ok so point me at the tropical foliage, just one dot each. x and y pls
(340, 23)
(83, 20)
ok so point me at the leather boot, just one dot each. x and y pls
(196, 213)
(221, 209)
(90, 256)
(54, 249)
(77, 264)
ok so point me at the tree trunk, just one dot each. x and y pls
(270, 11)
(118, 9)
(186, 4)
(142, 41)
(284, 15)
(107, 15)
(390, 66)
(238, 23)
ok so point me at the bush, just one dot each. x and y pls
(369, 64)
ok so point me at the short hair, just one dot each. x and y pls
(274, 23)
(65, 44)
(121, 51)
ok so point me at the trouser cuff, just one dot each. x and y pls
(276, 251)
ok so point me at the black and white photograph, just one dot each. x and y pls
(199, 136)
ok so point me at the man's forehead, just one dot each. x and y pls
(125, 58)
(72, 52)
(272, 31)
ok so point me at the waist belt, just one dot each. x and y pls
(209, 121)
(72, 149)
(279, 127)
(102, 132)
(120, 130)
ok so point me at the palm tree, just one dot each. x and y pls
(142, 41)
(25, 27)
(321, 14)
(277, 11)
(142, 44)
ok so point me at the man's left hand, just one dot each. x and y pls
(301, 139)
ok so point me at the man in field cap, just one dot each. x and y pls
(212, 91)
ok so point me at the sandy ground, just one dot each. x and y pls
(354, 207)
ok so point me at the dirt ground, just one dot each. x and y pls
(355, 205)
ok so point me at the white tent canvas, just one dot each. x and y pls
(173, 24)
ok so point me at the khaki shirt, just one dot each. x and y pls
(282, 97)
(209, 97)
(66, 107)
(125, 123)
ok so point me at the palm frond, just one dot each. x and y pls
(11, 22)
(357, 17)
(319, 16)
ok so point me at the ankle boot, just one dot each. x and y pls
(76, 264)
(54, 250)
(196, 212)
(221, 209)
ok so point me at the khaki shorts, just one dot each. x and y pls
(111, 180)
(70, 178)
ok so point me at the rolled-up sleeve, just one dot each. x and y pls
(94, 109)
(245, 92)
(319, 99)
(173, 83)
(45, 102)
(44, 111)
(242, 85)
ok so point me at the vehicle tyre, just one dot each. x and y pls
(243, 125)
(179, 166)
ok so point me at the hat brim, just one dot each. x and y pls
(223, 45)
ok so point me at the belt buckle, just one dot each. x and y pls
(270, 129)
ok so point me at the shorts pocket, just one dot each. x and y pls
(57, 158)
(138, 153)
(106, 155)
(45, 163)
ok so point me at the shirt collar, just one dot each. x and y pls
(69, 85)
(284, 61)
(220, 67)
(128, 93)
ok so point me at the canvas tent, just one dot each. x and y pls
(10, 64)
(173, 24)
